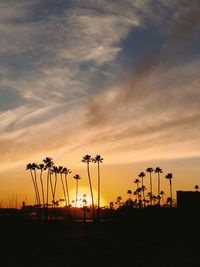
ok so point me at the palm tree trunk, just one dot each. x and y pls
(67, 191)
(170, 182)
(36, 201)
(76, 196)
(64, 192)
(158, 189)
(143, 192)
(54, 194)
(42, 188)
(36, 186)
(54, 189)
(98, 191)
(151, 189)
(47, 196)
(89, 178)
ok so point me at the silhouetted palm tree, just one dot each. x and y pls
(42, 168)
(34, 168)
(170, 201)
(158, 170)
(87, 159)
(150, 170)
(162, 195)
(142, 175)
(149, 195)
(169, 176)
(29, 167)
(98, 159)
(137, 192)
(77, 178)
(154, 198)
(119, 201)
(61, 171)
(48, 165)
(67, 171)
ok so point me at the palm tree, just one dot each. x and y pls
(169, 176)
(154, 198)
(34, 168)
(142, 175)
(87, 159)
(42, 168)
(170, 201)
(67, 171)
(48, 165)
(158, 170)
(129, 201)
(149, 195)
(150, 170)
(61, 171)
(137, 192)
(98, 159)
(56, 171)
(29, 167)
(119, 201)
(162, 195)
(77, 178)
(137, 181)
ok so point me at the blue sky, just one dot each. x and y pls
(120, 78)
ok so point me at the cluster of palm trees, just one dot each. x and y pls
(153, 199)
(97, 159)
(46, 187)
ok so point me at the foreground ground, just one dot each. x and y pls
(145, 240)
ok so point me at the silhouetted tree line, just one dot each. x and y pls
(45, 188)
(143, 200)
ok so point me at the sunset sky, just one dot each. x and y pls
(110, 77)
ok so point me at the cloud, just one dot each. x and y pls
(71, 92)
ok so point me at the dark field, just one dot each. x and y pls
(147, 239)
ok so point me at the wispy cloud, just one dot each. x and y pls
(63, 64)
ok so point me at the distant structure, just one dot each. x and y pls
(188, 199)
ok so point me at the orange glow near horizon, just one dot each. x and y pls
(16, 185)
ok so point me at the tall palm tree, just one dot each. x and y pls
(34, 168)
(67, 171)
(29, 167)
(150, 170)
(87, 159)
(142, 175)
(158, 170)
(42, 168)
(162, 195)
(56, 171)
(137, 191)
(98, 159)
(169, 176)
(61, 171)
(77, 178)
(48, 165)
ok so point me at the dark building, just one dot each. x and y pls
(188, 199)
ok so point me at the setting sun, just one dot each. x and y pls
(84, 198)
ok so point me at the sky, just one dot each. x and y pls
(110, 77)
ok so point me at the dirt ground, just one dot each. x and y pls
(140, 241)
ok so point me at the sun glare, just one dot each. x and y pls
(82, 201)
(84, 198)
